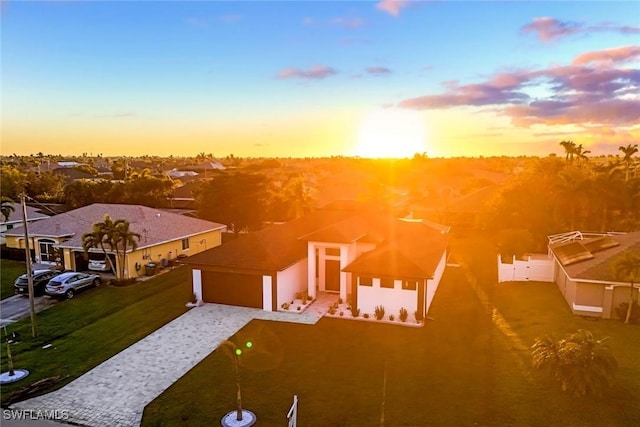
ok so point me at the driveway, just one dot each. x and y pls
(116, 392)
(16, 307)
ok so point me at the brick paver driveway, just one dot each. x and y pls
(116, 392)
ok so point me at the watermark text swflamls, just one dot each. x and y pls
(35, 414)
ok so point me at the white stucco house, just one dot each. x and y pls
(365, 258)
(15, 219)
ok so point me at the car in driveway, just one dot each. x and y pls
(98, 264)
(40, 279)
(67, 285)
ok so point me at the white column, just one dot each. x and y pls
(311, 270)
(344, 260)
(267, 302)
(197, 284)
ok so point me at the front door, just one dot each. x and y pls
(332, 275)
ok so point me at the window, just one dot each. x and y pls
(185, 244)
(9, 226)
(386, 282)
(332, 251)
(410, 285)
(47, 251)
(365, 281)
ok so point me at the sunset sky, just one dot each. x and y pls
(318, 78)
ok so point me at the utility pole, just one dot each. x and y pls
(27, 251)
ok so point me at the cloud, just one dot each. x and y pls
(317, 72)
(609, 56)
(114, 115)
(581, 94)
(378, 70)
(548, 29)
(348, 22)
(392, 7)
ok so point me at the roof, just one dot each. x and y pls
(414, 247)
(154, 225)
(596, 255)
(16, 215)
(271, 249)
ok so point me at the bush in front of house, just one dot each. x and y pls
(379, 312)
(404, 314)
(286, 305)
(355, 312)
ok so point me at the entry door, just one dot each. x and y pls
(332, 275)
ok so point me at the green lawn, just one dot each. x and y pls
(9, 271)
(468, 366)
(94, 326)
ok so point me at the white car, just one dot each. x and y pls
(99, 264)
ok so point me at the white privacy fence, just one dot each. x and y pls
(533, 267)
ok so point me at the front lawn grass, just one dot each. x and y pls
(9, 272)
(469, 366)
(95, 325)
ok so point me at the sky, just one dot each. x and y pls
(318, 78)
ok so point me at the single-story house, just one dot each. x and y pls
(16, 216)
(366, 258)
(165, 236)
(582, 270)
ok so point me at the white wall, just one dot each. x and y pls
(391, 299)
(197, 283)
(536, 268)
(292, 280)
(267, 301)
(432, 284)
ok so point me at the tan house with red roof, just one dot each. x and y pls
(582, 270)
(164, 236)
(368, 259)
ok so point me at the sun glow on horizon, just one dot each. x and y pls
(391, 133)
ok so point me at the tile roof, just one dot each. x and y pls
(598, 267)
(154, 225)
(33, 213)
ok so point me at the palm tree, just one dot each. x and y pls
(571, 191)
(232, 351)
(123, 237)
(582, 364)
(626, 267)
(569, 149)
(6, 207)
(581, 153)
(101, 234)
(628, 151)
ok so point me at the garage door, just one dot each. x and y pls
(232, 289)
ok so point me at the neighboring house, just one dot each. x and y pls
(582, 270)
(15, 219)
(182, 197)
(366, 258)
(175, 173)
(164, 236)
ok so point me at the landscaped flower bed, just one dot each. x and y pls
(343, 310)
(298, 305)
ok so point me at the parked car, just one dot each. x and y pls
(40, 279)
(68, 284)
(99, 264)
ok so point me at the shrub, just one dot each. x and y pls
(404, 314)
(418, 316)
(285, 305)
(339, 300)
(366, 315)
(342, 313)
(299, 295)
(299, 308)
(379, 312)
(355, 312)
(391, 317)
(309, 297)
(332, 310)
(621, 312)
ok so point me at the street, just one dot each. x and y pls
(16, 307)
